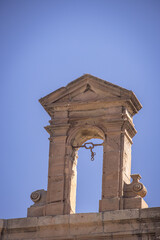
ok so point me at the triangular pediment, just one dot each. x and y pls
(87, 88)
(86, 95)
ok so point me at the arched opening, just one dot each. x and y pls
(89, 178)
(88, 185)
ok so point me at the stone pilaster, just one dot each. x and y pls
(111, 172)
(56, 172)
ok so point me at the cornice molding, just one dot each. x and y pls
(50, 103)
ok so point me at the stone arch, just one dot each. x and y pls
(79, 135)
(76, 137)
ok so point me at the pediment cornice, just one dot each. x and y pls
(89, 89)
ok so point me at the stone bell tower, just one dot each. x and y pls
(87, 108)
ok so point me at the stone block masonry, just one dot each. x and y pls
(129, 224)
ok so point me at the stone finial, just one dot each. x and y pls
(38, 196)
(35, 196)
(138, 187)
(135, 188)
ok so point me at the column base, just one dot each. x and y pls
(109, 204)
(135, 202)
(50, 209)
(36, 211)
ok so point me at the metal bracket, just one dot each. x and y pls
(90, 146)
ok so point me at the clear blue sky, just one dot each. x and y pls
(44, 45)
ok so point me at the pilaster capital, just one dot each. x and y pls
(55, 130)
(57, 139)
(129, 127)
(120, 126)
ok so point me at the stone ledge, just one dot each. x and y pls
(126, 224)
